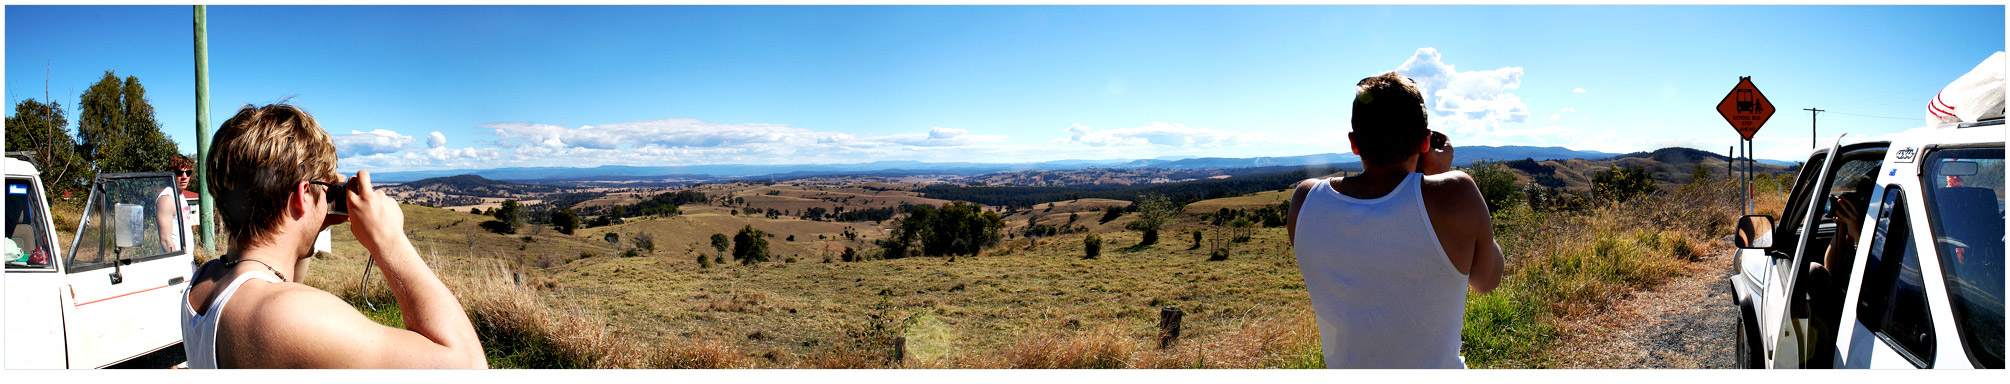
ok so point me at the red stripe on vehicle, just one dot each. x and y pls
(119, 296)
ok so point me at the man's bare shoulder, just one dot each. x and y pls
(1453, 192)
(293, 325)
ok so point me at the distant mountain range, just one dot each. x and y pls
(1465, 155)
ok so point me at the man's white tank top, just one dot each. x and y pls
(198, 330)
(1383, 290)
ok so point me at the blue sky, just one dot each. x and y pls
(457, 87)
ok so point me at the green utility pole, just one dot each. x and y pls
(208, 219)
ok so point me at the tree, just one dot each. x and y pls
(611, 238)
(509, 217)
(1621, 183)
(1154, 210)
(116, 130)
(41, 127)
(720, 242)
(750, 246)
(565, 221)
(1497, 184)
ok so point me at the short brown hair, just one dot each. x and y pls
(1389, 118)
(258, 157)
(180, 161)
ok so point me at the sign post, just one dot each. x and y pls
(1746, 109)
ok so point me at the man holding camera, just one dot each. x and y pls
(272, 170)
(1388, 254)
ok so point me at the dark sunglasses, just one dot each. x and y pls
(1438, 140)
(184, 172)
(338, 204)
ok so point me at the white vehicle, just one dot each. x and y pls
(1921, 285)
(113, 299)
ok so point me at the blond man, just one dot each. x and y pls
(272, 169)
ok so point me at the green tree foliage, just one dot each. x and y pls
(565, 221)
(1497, 184)
(1111, 213)
(116, 130)
(750, 246)
(720, 242)
(41, 127)
(1154, 211)
(957, 228)
(508, 218)
(611, 238)
(1621, 183)
(849, 255)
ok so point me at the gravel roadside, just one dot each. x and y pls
(1686, 322)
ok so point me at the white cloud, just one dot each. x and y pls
(1553, 117)
(1579, 90)
(655, 133)
(945, 133)
(935, 137)
(1161, 134)
(1465, 102)
(1569, 109)
(436, 140)
(369, 143)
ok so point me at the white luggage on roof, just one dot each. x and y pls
(1976, 96)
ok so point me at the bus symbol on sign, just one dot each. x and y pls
(1746, 108)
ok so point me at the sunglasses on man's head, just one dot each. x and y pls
(338, 204)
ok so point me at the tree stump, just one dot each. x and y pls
(1169, 318)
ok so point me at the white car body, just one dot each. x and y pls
(68, 314)
(1781, 327)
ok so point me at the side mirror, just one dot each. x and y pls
(128, 221)
(1755, 231)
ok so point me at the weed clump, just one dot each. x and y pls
(1092, 246)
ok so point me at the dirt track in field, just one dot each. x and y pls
(1686, 323)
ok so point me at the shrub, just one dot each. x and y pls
(1111, 213)
(1219, 254)
(750, 246)
(611, 238)
(849, 255)
(704, 262)
(1497, 184)
(1092, 246)
(1154, 211)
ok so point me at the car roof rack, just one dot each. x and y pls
(1998, 121)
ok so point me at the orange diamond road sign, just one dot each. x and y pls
(1746, 108)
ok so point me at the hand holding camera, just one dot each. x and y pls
(1437, 159)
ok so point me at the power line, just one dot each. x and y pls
(1880, 117)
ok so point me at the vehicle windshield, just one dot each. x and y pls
(1965, 195)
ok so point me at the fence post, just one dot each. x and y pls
(899, 350)
(1169, 318)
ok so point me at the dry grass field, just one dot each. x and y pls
(558, 300)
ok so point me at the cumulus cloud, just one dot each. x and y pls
(358, 143)
(436, 140)
(1160, 134)
(1468, 101)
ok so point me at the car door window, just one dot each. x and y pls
(1965, 197)
(1893, 300)
(25, 247)
(97, 242)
